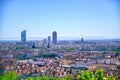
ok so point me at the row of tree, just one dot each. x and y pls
(86, 75)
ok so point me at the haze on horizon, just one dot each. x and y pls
(69, 18)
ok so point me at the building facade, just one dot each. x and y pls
(54, 37)
(49, 40)
(23, 36)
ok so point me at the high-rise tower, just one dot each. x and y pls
(82, 38)
(23, 36)
(54, 37)
(49, 41)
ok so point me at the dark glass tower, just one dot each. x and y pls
(23, 36)
(49, 40)
(54, 37)
(82, 39)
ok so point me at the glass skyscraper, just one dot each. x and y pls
(49, 40)
(23, 36)
(54, 37)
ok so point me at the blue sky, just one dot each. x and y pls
(70, 18)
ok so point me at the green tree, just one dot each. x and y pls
(67, 78)
(50, 55)
(86, 75)
(9, 76)
(110, 78)
(99, 75)
(118, 49)
(37, 78)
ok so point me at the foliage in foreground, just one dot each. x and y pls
(86, 75)
(98, 75)
(9, 76)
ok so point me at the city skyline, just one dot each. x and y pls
(69, 18)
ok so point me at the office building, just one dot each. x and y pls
(54, 37)
(23, 36)
(49, 40)
(82, 39)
